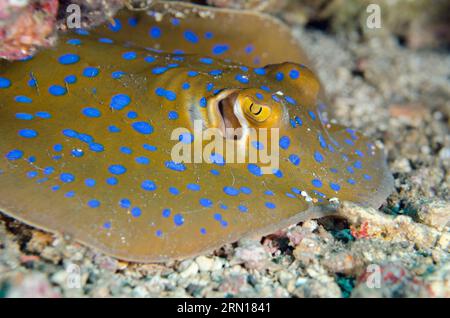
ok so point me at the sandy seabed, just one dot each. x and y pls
(395, 95)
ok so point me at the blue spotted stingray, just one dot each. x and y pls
(87, 133)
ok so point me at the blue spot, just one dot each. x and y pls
(317, 183)
(318, 157)
(70, 194)
(279, 76)
(96, 147)
(67, 177)
(205, 202)
(70, 79)
(120, 101)
(214, 172)
(32, 174)
(86, 138)
(14, 154)
(142, 160)
(215, 72)
(58, 147)
(92, 112)
(68, 59)
(113, 129)
(246, 190)
(367, 177)
(206, 60)
(257, 145)
(209, 86)
(70, 133)
(126, 150)
(148, 185)
(217, 159)
(142, 127)
(260, 71)
(107, 225)
(166, 213)
(359, 153)
(125, 203)
(49, 170)
(81, 31)
(155, 32)
(357, 164)
(312, 115)
(242, 79)
(90, 72)
(231, 191)
(259, 96)
(193, 187)
(243, 208)
(4, 82)
(170, 95)
(220, 49)
(105, 40)
(254, 169)
(209, 35)
(191, 36)
(335, 186)
(185, 85)
(74, 41)
(249, 49)
(132, 22)
(94, 204)
(174, 191)
(178, 219)
(277, 173)
(285, 142)
(43, 115)
(192, 73)
(112, 181)
(129, 55)
(28, 133)
(203, 102)
(294, 74)
(24, 116)
(78, 153)
(117, 169)
(32, 82)
(57, 90)
(116, 27)
(23, 99)
(175, 166)
(136, 212)
(159, 70)
(294, 159)
(173, 115)
(149, 59)
(149, 147)
(132, 115)
(117, 74)
(270, 205)
(322, 141)
(217, 216)
(290, 100)
(186, 138)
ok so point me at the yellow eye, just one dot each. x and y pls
(256, 111)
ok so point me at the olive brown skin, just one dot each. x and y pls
(87, 134)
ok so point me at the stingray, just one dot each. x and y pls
(100, 135)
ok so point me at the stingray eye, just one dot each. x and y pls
(255, 111)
